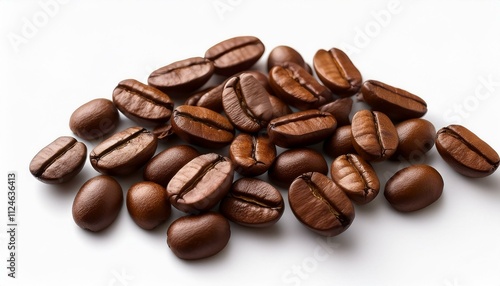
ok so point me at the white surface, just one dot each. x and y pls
(78, 51)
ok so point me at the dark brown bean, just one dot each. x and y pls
(202, 126)
(163, 132)
(59, 161)
(147, 204)
(252, 154)
(356, 178)
(374, 136)
(340, 143)
(142, 103)
(337, 72)
(235, 54)
(94, 119)
(416, 137)
(261, 78)
(414, 188)
(253, 202)
(97, 203)
(246, 103)
(201, 183)
(124, 152)
(282, 54)
(465, 152)
(294, 162)
(340, 109)
(279, 107)
(163, 166)
(182, 76)
(319, 204)
(198, 236)
(210, 98)
(301, 128)
(396, 103)
(295, 86)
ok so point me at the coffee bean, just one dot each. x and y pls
(340, 143)
(246, 103)
(396, 103)
(294, 162)
(147, 204)
(253, 202)
(202, 126)
(163, 132)
(374, 136)
(414, 188)
(142, 103)
(279, 107)
(252, 154)
(59, 161)
(295, 86)
(182, 76)
(163, 166)
(94, 119)
(97, 203)
(210, 98)
(465, 152)
(337, 72)
(416, 137)
(318, 203)
(340, 109)
(235, 54)
(201, 183)
(355, 177)
(301, 128)
(198, 236)
(261, 78)
(124, 152)
(282, 54)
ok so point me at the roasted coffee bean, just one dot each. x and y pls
(253, 202)
(279, 107)
(396, 103)
(142, 103)
(416, 137)
(294, 162)
(340, 143)
(337, 72)
(294, 85)
(355, 177)
(465, 152)
(252, 154)
(414, 188)
(182, 76)
(374, 136)
(201, 183)
(97, 203)
(246, 103)
(59, 161)
(163, 132)
(202, 126)
(198, 236)
(235, 54)
(124, 152)
(94, 119)
(318, 203)
(301, 128)
(210, 98)
(282, 54)
(261, 78)
(340, 109)
(163, 166)
(147, 204)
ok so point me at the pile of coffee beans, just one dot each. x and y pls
(254, 122)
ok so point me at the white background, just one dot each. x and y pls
(56, 56)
